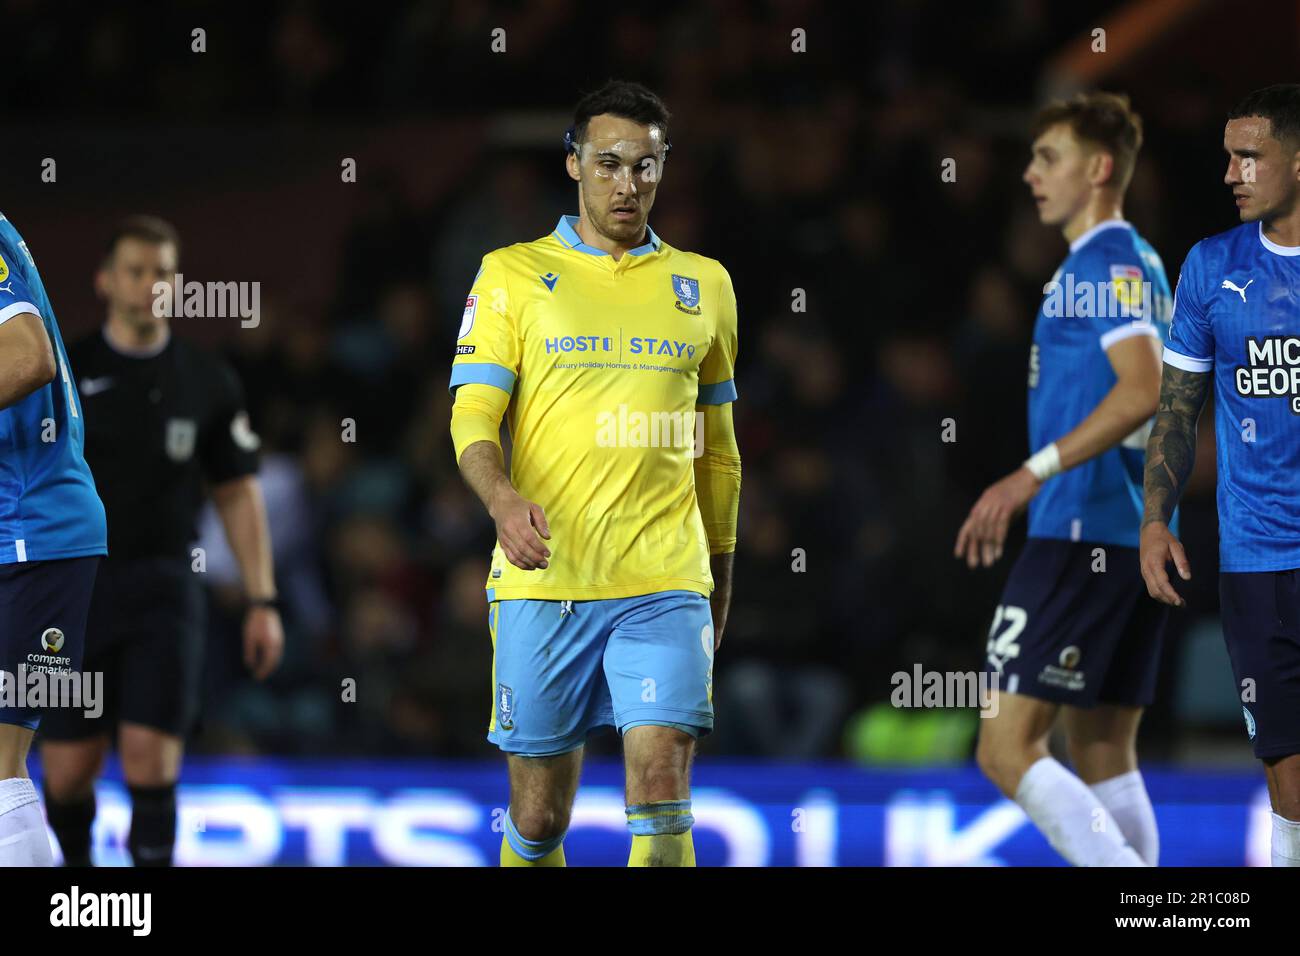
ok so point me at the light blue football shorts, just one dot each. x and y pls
(563, 668)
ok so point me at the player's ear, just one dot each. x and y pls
(101, 281)
(574, 170)
(1103, 167)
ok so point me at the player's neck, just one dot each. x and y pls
(1097, 211)
(587, 232)
(1284, 230)
(127, 340)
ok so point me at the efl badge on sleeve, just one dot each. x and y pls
(467, 320)
(1126, 283)
(687, 291)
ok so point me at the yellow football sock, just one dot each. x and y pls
(662, 849)
(510, 858)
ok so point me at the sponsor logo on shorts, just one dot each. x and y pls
(52, 640)
(1250, 722)
(1065, 676)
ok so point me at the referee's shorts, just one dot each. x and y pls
(145, 635)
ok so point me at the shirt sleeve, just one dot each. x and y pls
(1191, 340)
(488, 350)
(1125, 300)
(15, 296)
(230, 446)
(718, 368)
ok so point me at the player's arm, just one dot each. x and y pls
(26, 357)
(717, 488)
(476, 436)
(1171, 451)
(1128, 405)
(242, 510)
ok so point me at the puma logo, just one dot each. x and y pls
(1240, 290)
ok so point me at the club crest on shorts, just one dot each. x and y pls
(1070, 657)
(687, 291)
(1250, 723)
(52, 641)
(505, 707)
(179, 442)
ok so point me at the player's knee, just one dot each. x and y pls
(539, 822)
(658, 780)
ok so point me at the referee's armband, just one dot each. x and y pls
(476, 415)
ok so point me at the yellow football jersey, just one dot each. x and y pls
(605, 362)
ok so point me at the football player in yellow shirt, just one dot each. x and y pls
(611, 355)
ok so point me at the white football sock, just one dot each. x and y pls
(1127, 800)
(1069, 815)
(1286, 842)
(23, 839)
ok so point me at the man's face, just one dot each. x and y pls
(1058, 174)
(127, 278)
(1263, 174)
(618, 166)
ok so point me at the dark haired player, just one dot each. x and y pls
(163, 417)
(52, 532)
(603, 606)
(1076, 633)
(1237, 324)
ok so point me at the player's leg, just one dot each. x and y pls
(548, 692)
(1050, 644)
(1261, 627)
(23, 841)
(69, 769)
(43, 607)
(542, 790)
(659, 665)
(657, 761)
(1102, 743)
(1102, 739)
(1284, 794)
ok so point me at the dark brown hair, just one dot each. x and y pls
(1103, 120)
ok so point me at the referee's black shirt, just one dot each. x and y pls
(156, 427)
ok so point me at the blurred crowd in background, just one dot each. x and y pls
(817, 172)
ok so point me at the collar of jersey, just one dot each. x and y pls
(567, 232)
(151, 352)
(1084, 239)
(1273, 247)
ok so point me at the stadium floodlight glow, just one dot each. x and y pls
(622, 161)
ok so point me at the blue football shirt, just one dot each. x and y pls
(1237, 314)
(49, 508)
(1111, 286)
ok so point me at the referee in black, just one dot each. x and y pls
(165, 425)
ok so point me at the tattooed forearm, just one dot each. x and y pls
(1172, 446)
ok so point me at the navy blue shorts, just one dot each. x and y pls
(43, 610)
(1071, 633)
(1261, 626)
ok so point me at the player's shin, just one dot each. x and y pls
(1286, 841)
(1126, 798)
(661, 834)
(518, 851)
(23, 841)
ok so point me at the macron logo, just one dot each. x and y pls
(550, 279)
(1240, 290)
(132, 910)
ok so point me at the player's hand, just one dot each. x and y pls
(982, 536)
(1156, 548)
(521, 526)
(263, 641)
